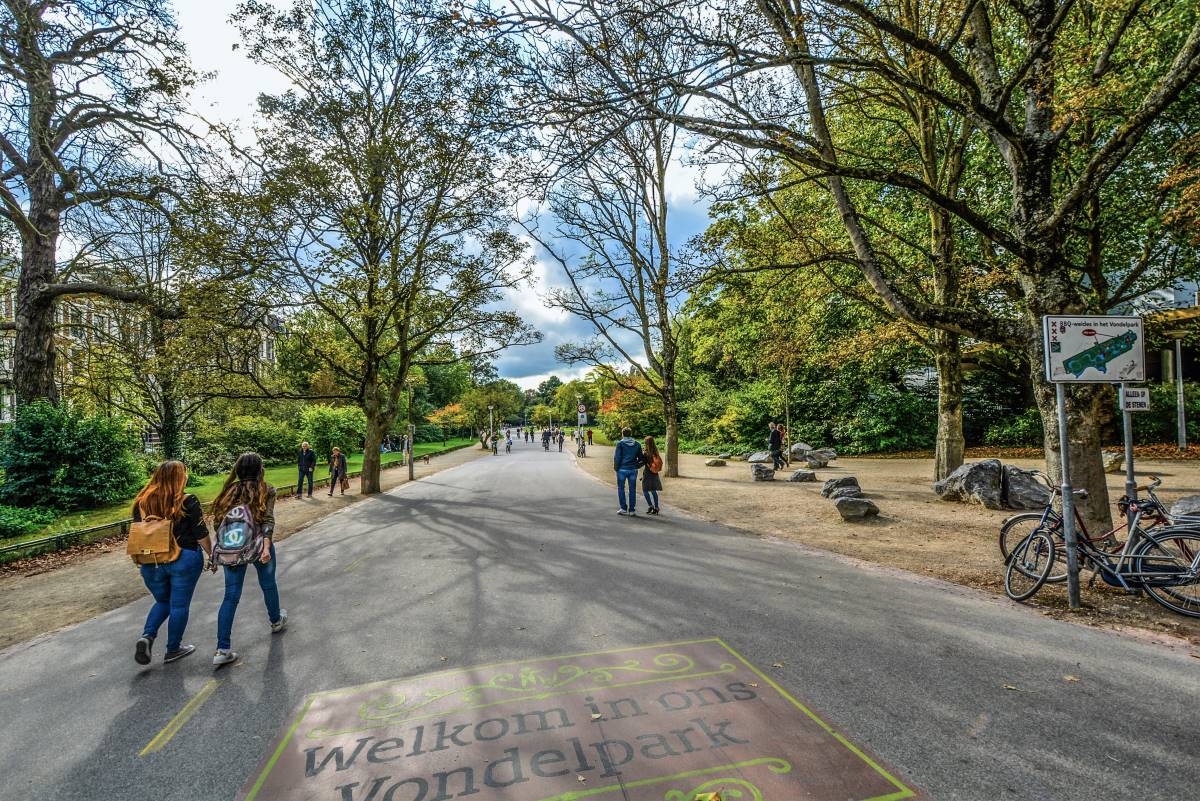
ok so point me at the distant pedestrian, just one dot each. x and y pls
(306, 464)
(651, 482)
(244, 512)
(589, 436)
(775, 446)
(561, 438)
(337, 471)
(164, 500)
(627, 458)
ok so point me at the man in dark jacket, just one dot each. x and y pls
(306, 463)
(775, 445)
(627, 458)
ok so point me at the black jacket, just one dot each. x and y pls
(776, 440)
(306, 459)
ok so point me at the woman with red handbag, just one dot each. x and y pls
(651, 483)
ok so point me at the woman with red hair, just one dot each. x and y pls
(171, 583)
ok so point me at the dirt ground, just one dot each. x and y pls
(915, 530)
(45, 594)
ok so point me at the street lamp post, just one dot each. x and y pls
(1180, 414)
(492, 427)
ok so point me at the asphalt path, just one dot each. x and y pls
(521, 555)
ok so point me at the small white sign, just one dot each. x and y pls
(583, 418)
(1098, 349)
(1135, 400)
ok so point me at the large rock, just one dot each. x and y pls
(1114, 461)
(799, 449)
(1187, 506)
(828, 454)
(715, 463)
(803, 475)
(814, 461)
(974, 482)
(1023, 491)
(855, 508)
(845, 492)
(759, 457)
(836, 483)
(760, 472)
(724, 455)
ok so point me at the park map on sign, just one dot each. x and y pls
(673, 722)
(1101, 348)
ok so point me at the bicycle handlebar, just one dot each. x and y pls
(1155, 483)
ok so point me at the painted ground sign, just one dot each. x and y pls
(657, 723)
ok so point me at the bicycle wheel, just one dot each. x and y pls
(1029, 565)
(1017, 528)
(1169, 556)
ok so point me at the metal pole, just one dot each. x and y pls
(1130, 481)
(412, 431)
(1068, 499)
(1180, 414)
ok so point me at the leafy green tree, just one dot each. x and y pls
(93, 93)
(505, 398)
(547, 389)
(383, 189)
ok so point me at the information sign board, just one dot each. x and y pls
(1094, 349)
(1135, 399)
(583, 418)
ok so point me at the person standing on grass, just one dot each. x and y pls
(775, 445)
(651, 482)
(337, 471)
(627, 458)
(589, 436)
(306, 463)
(173, 583)
(246, 486)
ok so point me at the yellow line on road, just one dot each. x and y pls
(356, 563)
(177, 722)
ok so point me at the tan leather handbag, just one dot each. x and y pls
(151, 541)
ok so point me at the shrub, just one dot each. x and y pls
(326, 426)
(55, 457)
(207, 459)
(272, 440)
(1022, 431)
(18, 522)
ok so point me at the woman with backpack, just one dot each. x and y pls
(651, 483)
(171, 583)
(337, 471)
(244, 515)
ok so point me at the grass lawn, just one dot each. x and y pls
(282, 476)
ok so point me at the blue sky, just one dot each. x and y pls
(230, 98)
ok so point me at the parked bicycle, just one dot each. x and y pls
(1161, 558)
(581, 448)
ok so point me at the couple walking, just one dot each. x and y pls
(244, 516)
(306, 462)
(627, 458)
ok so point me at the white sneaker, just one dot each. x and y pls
(280, 624)
(622, 512)
(222, 658)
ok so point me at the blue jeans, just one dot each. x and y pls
(300, 484)
(172, 586)
(234, 578)
(651, 497)
(627, 477)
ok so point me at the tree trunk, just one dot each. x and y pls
(377, 427)
(170, 441)
(34, 347)
(950, 441)
(1085, 406)
(671, 417)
